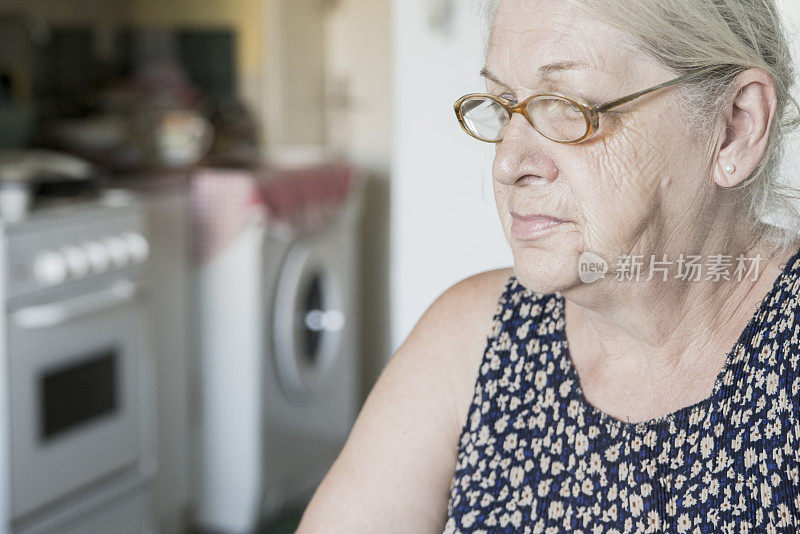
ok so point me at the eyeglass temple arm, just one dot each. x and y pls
(625, 99)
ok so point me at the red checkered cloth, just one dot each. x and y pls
(225, 201)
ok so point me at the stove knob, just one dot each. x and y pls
(98, 256)
(77, 261)
(138, 247)
(118, 250)
(50, 268)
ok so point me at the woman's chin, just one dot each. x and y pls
(543, 272)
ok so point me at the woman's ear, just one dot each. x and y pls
(748, 121)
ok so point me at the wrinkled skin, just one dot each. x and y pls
(644, 184)
(633, 188)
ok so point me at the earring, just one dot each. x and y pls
(730, 168)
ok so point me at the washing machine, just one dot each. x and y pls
(277, 323)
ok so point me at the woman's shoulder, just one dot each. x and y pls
(453, 329)
(470, 304)
(450, 339)
(467, 312)
(482, 290)
(456, 322)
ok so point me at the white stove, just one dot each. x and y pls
(77, 400)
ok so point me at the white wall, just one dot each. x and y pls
(791, 11)
(358, 73)
(444, 223)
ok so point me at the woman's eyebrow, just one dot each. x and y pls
(489, 76)
(545, 71)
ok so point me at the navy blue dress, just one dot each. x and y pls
(535, 456)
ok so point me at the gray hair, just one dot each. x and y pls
(685, 35)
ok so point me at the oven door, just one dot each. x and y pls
(75, 367)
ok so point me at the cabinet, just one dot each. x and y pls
(167, 200)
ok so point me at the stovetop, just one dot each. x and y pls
(75, 244)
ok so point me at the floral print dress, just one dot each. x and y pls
(535, 456)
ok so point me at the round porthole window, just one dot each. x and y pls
(307, 321)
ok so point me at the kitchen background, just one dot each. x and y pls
(218, 220)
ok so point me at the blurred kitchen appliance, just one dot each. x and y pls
(80, 416)
(276, 293)
(30, 174)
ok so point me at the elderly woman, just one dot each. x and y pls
(637, 369)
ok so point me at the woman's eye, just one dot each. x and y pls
(566, 107)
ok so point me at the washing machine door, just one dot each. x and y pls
(308, 317)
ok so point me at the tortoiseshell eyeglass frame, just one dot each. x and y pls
(590, 113)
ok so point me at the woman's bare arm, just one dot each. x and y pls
(394, 472)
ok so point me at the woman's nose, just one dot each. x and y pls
(523, 155)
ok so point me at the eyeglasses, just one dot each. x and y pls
(558, 117)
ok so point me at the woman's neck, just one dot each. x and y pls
(669, 335)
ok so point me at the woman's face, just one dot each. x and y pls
(632, 188)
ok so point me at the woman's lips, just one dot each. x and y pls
(532, 226)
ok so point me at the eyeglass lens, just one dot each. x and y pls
(484, 118)
(554, 117)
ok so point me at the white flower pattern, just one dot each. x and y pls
(534, 456)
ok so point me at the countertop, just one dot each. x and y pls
(153, 181)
